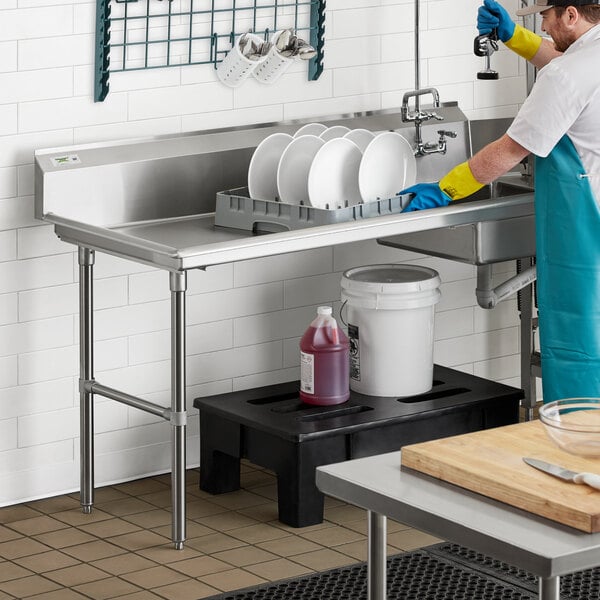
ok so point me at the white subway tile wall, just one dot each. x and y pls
(8, 245)
(244, 320)
(8, 117)
(8, 308)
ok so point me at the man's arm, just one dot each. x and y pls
(545, 54)
(539, 51)
(465, 179)
(496, 159)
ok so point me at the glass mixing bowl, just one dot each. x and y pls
(573, 424)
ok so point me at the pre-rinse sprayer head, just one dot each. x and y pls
(485, 45)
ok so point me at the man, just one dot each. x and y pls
(559, 123)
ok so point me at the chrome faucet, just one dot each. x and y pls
(442, 142)
(416, 94)
(419, 117)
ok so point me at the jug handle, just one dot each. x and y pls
(335, 335)
(341, 315)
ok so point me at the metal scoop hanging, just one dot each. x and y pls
(289, 45)
(251, 49)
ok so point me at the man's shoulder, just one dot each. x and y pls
(576, 71)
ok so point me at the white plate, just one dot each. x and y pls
(387, 167)
(333, 176)
(361, 137)
(294, 166)
(311, 129)
(262, 172)
(334, 132)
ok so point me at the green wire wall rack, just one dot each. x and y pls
(149, 34)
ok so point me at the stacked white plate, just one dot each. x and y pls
(311, 129)
(294, 167)
(262, 172)
(388, 166)
(331, 167)
(333, 175)
(361, 137)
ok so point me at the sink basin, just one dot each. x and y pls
(479, 243)
(500, 188)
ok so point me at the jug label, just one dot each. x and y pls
(307, 373)
(354, 352)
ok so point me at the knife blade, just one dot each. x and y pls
(591, 479)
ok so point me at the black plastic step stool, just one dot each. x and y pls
(272, 428)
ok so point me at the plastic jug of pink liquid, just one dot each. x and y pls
(324, 361)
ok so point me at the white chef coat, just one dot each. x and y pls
(566, 100)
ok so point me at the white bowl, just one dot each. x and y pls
(294, 167)
(262, 172)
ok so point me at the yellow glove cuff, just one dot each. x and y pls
(460, 182)
(524, 42)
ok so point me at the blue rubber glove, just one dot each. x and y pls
(426, 195)
(494, 16)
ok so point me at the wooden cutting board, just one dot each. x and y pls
(490, 462)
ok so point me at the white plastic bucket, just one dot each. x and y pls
(390, 317)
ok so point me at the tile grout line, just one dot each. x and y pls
(226, 522)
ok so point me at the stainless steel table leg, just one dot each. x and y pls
(528, 382)
(377, 579)
(178, 285)
(549, 588)
(86, 374)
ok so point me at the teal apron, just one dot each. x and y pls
(568, 271)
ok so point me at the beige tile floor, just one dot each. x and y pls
(50, 550)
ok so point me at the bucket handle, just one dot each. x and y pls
(341, 310)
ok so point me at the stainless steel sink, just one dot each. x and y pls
(479, 243)
(510, 185)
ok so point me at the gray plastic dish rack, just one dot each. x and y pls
(236, 209)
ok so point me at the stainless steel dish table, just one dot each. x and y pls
(152, 201)
(379, 485)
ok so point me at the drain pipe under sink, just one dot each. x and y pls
(488, 297)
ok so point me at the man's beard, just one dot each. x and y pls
(563, 44)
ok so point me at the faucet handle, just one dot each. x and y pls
(425, 115)
(443, 133)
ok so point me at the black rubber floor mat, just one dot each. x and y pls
(581, 585)
(418, 575)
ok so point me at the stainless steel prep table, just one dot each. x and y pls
(379, 485)
(152, 201)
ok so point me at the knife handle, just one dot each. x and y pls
(590, 479)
